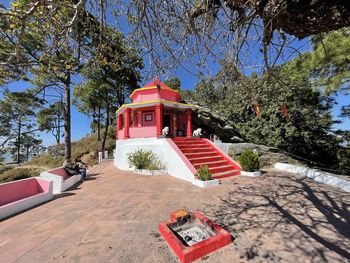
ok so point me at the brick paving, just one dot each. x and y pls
(113, 217)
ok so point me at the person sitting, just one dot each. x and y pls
(70, 167)
(81, 167)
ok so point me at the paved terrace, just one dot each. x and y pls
(113, 217)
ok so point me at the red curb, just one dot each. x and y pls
(188, 254)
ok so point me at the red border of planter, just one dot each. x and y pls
(196, 251)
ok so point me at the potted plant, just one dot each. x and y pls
(146, 162)
(204, 178)
(250, 163)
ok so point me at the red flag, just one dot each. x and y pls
(257, 110)
(285, 111)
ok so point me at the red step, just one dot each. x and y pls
(220, 169)
(211, 164)
(205, 159)
(226, 174)
(188, 140)
(201, 153)
(196, 150)
(189, 145)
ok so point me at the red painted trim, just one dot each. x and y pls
(127, 113)
(188, 254)
(159, 118)
(228, 158)
(182, 156)
(119, 124)
(189, 123)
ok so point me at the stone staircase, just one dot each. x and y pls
(200, 152)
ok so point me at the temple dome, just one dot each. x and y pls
(155, 90)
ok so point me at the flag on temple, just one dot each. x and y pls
(257, 110)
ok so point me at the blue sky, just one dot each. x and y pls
(81, 123)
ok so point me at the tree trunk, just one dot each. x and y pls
(19, 141)
(58, 135)
(106, 127)
(67, 126)
(27, 153)
(99, 124)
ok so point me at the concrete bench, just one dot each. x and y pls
(61, 179)
(17, 196)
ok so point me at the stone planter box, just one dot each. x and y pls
(150, 172)
(256, 173)
(20, 195)
(203, 184)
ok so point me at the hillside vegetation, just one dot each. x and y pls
(86, 147)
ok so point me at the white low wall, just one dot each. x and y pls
(317, 175)
(253, 174)
(25, 203)
(59, 185)
(174, 164)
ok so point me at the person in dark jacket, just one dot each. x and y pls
(81, 167)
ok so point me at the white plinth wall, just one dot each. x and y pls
(174, 164)
(317, 175)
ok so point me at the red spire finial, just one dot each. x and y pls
(157, 82)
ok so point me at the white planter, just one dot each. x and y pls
(203, 184)
(150, 172)
(256, 173)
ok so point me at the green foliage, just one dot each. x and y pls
(109, 80)
(327, 65)
(174, 83)
(345, 111)
(18, 173)
(50, 119)
(17, 115)
(203, 173)
(249, 161)
(29, 146)
(51, 49)
(143, 159)
(305, 131)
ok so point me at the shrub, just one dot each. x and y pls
(143, 159)
(203, 173)
(18, 173)
(249, 161)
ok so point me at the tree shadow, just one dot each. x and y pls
(281, 217)
(92, 176)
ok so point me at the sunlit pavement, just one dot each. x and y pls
(113, 217)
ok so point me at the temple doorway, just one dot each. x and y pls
(167, 122)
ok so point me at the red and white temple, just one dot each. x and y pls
(154, 107)
(140, 125)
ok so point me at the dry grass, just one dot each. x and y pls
(19, 173)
